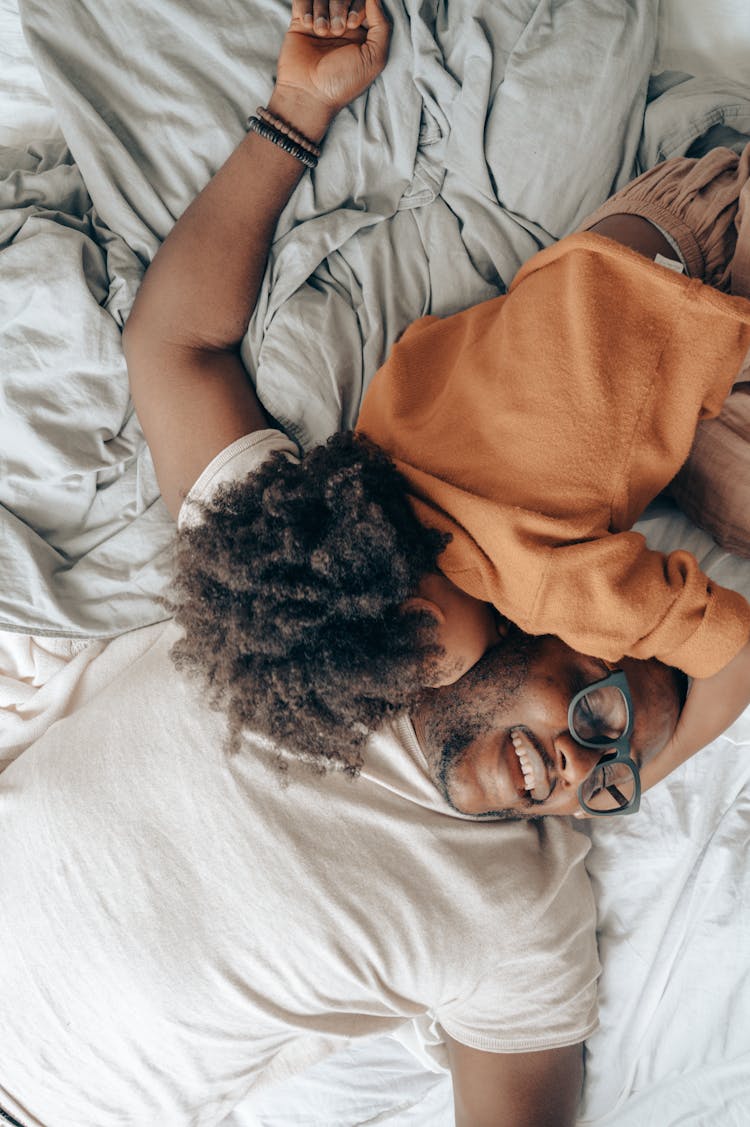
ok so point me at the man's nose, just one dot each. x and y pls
(574, 763)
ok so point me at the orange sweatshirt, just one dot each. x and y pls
(536, 427)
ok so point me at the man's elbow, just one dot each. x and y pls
(137, 335)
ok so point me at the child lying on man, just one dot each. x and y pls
(500, 458)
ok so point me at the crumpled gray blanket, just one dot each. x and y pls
(494, 128)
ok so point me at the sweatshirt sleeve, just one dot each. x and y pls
(614, 596)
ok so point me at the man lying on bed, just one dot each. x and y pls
(177, 926)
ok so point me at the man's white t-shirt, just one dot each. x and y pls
(178, 925)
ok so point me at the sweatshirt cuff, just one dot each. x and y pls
(724, 630)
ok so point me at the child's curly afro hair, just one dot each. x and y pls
(290, 594)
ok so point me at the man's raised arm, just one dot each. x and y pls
(191, 392)
(540, 1089)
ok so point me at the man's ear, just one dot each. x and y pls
(503, 625)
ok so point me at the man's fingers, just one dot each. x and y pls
(321, 25)
(356, 14)
(328, 17)
(302, 10)
(337, 13)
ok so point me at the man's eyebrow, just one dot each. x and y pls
(604, 669)
(580, 680)
(577, 682)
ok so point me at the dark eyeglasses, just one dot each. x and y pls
(601, 716)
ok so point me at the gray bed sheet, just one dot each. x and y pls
(494, 128)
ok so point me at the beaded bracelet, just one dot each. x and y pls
(268, 133)
(283, 140)
(284, 127)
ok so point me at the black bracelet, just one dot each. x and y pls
(268, 133)
(288, 130)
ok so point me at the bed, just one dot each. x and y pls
(528, 114)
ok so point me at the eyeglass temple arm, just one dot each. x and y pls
(618, 796)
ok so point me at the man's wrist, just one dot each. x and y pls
(305, 114)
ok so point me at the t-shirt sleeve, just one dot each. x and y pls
(615, 596)
(233, 463)
(541, 993)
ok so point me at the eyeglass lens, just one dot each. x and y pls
(601, 717)
(609, 786)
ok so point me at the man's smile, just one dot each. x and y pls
(534, 770)
(517, 775)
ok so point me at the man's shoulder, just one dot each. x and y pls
(234, 463)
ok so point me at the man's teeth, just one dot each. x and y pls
(531, 779)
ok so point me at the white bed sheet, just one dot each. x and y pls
(673, 884)
(26, 113)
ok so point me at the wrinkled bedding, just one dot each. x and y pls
(489, 134)
(496, 129)
(493, 130)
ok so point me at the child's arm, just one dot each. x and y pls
(191, 392)
(713, 703)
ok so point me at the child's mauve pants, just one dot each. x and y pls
(703, 206)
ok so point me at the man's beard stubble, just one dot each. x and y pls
(455, 716)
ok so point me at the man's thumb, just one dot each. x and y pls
(378, 30)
